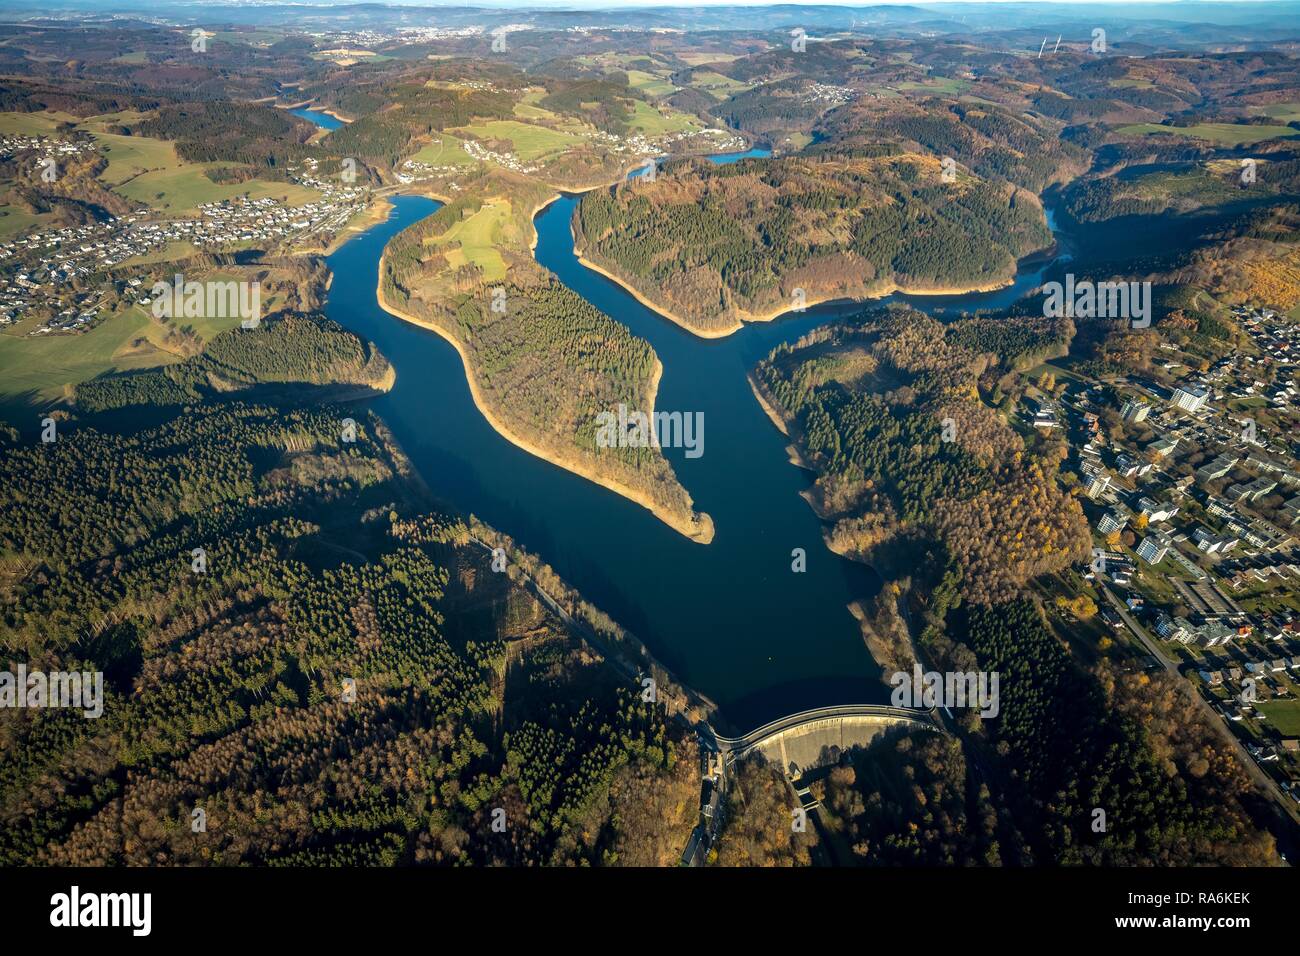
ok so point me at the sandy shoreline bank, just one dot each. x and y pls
(779, 421)
(654, 306)
(745, 317)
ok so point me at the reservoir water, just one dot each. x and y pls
(730, 618)
(323, 120)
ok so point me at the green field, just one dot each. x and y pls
(698, 59)
(527, 111)
(474, 240)
(98, 124)
(145, 170)
(1128, 83)
(39, 369)
(176, 249)
(129, 156)
(936, 84)
(1229, 134)
(717, 83)
(619, 61)
(649, 83)
(14, 221)
(1284, 715)
(528, 142)
(447, 151)
(185, 188)
(34, 124)
(652, 122)
(1283, 112)
(149, 171)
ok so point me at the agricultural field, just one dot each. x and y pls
(796, 141)
(445, 150)
(699, 59)
(149, 171)
(619, 61)
(1227, 134)
(534, 115)
(528, 142)
(184, 188)
(144, 169)
(649, 83)
(717, 84)
(527, 111)
(36, 370)
(1131, 83)
(132, 156)
(1284, 715)
(936, 84)
(474, 240)
(1282, 112)
(176, 249)
(652, 122)
(14, 221)
(101, 123)
(33, 124)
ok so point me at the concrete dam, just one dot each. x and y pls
(812, 738)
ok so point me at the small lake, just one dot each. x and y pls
(323, 120)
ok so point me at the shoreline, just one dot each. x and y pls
(652, 306)
(701, 532)
(376, 212)
(744, 317)
(777, 419)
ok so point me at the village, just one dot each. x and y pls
(13, 144)
(70, 273)
(1190, 480)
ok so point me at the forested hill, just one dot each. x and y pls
(229, 694)
(290, 348)
(992, 141)
(867, 401)
(714, 246)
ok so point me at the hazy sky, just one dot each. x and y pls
(613, 4)
(631, 4)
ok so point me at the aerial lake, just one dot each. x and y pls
(730, 618)
(323, 120)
